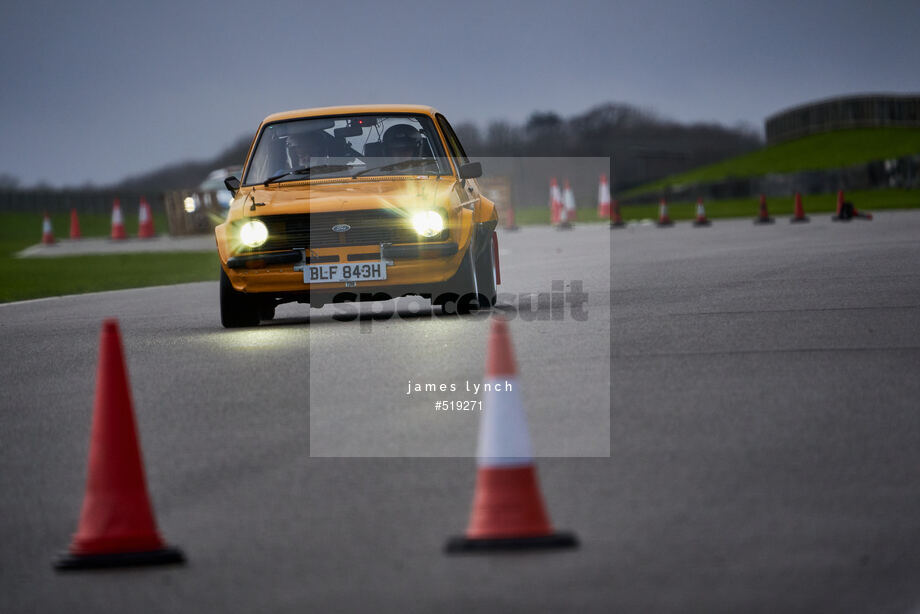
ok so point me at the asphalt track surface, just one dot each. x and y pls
(762, 430)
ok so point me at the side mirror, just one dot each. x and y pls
(471, 170)
(232, 184)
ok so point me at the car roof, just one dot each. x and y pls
(351, 110)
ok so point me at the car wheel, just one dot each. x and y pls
(237, 309)
(460, 297)
(485, 276)
(267, 310)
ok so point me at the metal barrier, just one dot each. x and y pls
(864, 111)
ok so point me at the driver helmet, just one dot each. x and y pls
(402, 141)
(305, 145)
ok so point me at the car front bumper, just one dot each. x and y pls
(410, 268)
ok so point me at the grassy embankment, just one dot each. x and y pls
(816, 152)
(25, 278)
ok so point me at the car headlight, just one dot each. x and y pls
(253, 233)
(428, 223)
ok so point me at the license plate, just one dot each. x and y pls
(338, 273)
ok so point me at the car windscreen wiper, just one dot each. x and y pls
(308, 170)
(395, 165)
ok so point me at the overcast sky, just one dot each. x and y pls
(94, 91)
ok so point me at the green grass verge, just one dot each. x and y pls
(26, 278)
(540, 215)
(815, 152)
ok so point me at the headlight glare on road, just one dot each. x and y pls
(428, 223)
(253, 233)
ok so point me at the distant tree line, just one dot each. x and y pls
(188, 174)
(643, 146)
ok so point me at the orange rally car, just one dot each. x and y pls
(354, 204)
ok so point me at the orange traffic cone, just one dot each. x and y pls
(701, 219)
(74, 225)
(663, 218)
(799, 214)
(603, 198)
(555, 202)
(145, 221)
(508, 511)
(116, 526)
(764, 216)
(616, 219)
(118, 221)
(47, 233)
(846, 211)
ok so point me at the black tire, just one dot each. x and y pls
(485, 276)
(267, 310)
(460, 296)
(237, 309)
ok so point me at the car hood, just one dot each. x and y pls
(337, 195)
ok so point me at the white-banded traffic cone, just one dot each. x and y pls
(508, 511)
(118, 221)
(701, 219)
(603, 198)
(145, 221)
(555, 202)
(568, 206)
(663, 218)
(47, 232)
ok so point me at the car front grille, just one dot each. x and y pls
(314, 230)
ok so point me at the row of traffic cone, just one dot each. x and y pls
(562, 204)
(145, 228)
(664, 218)
(117, 526)
(845, 212)
(562, 208)
(48, 231)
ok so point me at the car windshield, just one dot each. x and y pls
(347, 146)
